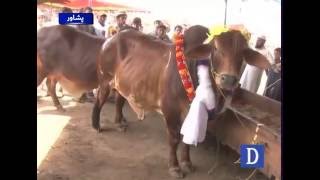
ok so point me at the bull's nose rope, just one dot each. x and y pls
(182, 67)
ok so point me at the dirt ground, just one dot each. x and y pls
(141, 153)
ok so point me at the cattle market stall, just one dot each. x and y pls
(252, 118)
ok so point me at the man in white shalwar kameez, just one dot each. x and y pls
(194, 127)
(100, 25)
(251, 77)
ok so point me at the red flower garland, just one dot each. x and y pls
(182, 67)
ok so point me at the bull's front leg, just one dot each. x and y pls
(186, 164)
(174, 139)
(173, 128)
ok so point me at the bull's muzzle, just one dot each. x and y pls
(228, 82)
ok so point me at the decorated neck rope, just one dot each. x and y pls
(182, 67)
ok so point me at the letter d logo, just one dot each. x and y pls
(252, 156)
(249, 150)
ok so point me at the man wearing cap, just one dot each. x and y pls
(251, 77)
(273, 86)
(121, 22)
(100, 26)
(161, 33)
(260, 47)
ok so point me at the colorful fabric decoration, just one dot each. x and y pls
(182, 67)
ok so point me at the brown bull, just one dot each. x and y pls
(144, 72)
(68, 56)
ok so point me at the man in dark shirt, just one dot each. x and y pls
(273, 86)
(161, 33)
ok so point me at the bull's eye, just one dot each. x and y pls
(222, 78)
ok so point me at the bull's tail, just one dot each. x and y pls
(41, 73)
(96, 117)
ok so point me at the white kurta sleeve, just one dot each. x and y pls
(194, 127)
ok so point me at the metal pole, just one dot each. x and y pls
(225, 12)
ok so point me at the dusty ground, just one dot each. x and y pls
(78, 152)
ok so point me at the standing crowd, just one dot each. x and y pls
(252, 76)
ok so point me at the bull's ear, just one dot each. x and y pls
(194, 47)
(254, 58)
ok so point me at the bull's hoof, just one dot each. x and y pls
(96, 126)
(122, 127)
(61, 109)
(124, 122)
(187, 167)
(176, 172)
(141, 116)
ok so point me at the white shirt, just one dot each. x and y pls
(194, 127)
(264, 77)
(99, 28)
(267, 54)
(252, 75)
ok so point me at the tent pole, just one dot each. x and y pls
(225, 12)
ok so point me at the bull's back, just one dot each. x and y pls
(68, 53)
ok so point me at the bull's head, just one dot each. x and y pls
(226, 52)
